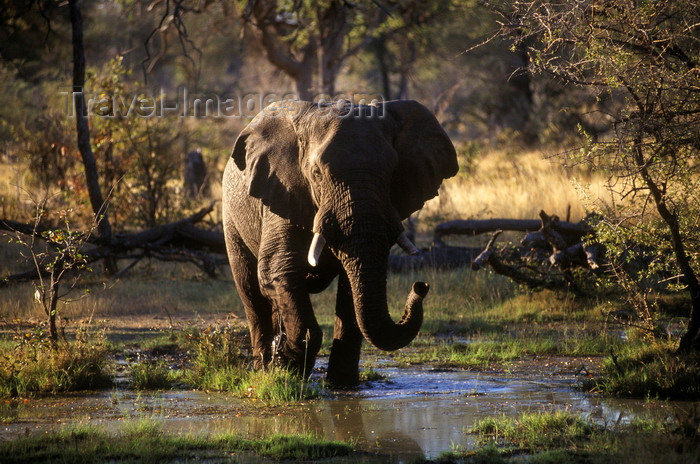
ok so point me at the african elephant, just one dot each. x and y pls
(316, 191)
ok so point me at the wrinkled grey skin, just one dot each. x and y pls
(349, 174)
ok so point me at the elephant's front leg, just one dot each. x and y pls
(344, 361)
(257, 308)
(282, 273)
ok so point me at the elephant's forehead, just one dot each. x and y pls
(335, 131)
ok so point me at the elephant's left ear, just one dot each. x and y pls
(426, 155)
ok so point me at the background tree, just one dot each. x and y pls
(641, 60)
(97, 200)
(310, 39)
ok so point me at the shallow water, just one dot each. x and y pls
(418, 412)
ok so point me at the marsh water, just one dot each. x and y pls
(417, 412)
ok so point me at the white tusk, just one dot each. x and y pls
(406, 244)
(316, 248)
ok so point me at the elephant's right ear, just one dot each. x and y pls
(267, 151)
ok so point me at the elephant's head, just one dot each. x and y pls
(350, 174)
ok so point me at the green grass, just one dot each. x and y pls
(498, 349)
(211, 358)
(30, 365)
(276, 386)
(152, 375)
(296, 448)
(483, 354)
(652, 370)
(217, 361)
(563, 437)
(144, 441)
(533, 432)
(371, 374)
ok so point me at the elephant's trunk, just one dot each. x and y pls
(368, 283)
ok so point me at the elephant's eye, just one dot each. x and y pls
(316, 173)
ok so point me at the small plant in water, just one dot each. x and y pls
(276, 386)
(534, 431)
(151, 375)
(370, 374)
(218, 361)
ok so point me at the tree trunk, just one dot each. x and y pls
(380, 52)
(406, 69)
(303, 80)
(99, 205)
(689, 339)
(333, 27)
(53, 305)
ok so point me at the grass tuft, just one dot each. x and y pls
(299, 448)
(534, 431)
(152, 375)
(653, 370)
(277, 386)
(30, 365)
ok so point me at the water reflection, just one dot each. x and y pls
(417, 413)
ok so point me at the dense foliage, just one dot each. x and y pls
(641, 60)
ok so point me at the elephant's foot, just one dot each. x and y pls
(302, 367)
(300, 361)
(343, 365)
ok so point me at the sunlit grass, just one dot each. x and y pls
(152, 375)
(30, 365)
(515, 184)
(487, 352)
(277, 386)
(155, 289)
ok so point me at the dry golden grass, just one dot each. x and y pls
(505, 184)
(15, 198)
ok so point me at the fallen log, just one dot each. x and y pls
(177, 241)
(471, 227)
(545, 257)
